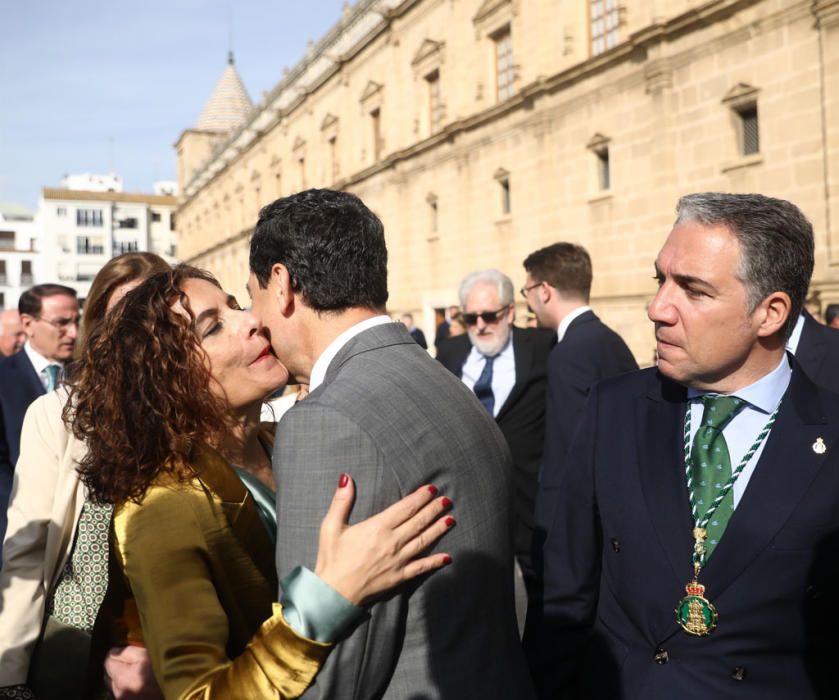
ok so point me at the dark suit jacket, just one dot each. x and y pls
(419, 338)
(394, 419)
(618, 556)
(521, 419)
(589, 352)
(818, 353)
(19, 387)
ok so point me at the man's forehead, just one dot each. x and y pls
(60, 301)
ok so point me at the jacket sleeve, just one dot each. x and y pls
(185, 628)
(23, 588)
(559, 629)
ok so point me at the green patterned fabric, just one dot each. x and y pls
(81, 588)
(711, 464)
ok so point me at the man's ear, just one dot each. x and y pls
(281, 286)
(26, 322)
(775, 310)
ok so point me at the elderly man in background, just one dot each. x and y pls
(506, 368)
(12, 336)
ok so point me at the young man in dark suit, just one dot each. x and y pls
(49, 314)
(506, 368)
(692, 545)
(557, 289)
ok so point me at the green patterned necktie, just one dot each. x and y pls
(711, 464)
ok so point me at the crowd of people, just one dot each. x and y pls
(526, 515)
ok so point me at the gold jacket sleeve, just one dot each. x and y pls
(204, 607)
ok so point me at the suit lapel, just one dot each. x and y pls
(785, 471)
(523, 357)
(239, 508)
(28, 371)
(659, 421)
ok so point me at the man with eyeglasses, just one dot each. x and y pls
(49, 314)
(557, 289)
(506, 368)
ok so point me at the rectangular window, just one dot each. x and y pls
(130, 222)
(155, 216)
(88, 217)
(7, 240)
(504, 68)
(26, 278)
(3, 281)
(435, 102)
(506, 205)
(85, 246)
(61, 211)
(604, 25)
(604, 175)
(172, 222)
(749, 133)
(376, 123)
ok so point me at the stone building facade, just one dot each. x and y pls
(480, 130)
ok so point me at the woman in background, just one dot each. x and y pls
(55, 551)
(168, 402)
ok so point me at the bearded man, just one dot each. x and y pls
(506, 368)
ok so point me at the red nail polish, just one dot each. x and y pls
(343, 481)
(446, 502)
(447, 559)
(449, 521)
(432, 489)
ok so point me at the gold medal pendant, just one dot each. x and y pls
(695, 614)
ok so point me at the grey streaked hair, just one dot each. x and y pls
(776, 242)
(506, 294)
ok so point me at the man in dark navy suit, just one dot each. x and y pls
(692, 539)
(506, 367)
(557, 289)
(50, 317)
(816, 347)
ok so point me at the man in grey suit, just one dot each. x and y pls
(382, 410)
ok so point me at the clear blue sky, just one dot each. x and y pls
(77, 76)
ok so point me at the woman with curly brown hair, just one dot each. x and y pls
(168, 403)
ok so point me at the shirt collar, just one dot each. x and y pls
(322, 363)
(39, 362)
(764, 394)
(795, 337)
(566, 321)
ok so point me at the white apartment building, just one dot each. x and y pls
(83, 229)
(21, 266)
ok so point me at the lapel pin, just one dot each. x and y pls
(819, 447)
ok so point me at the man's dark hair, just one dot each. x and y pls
(776, 243)
(830, 313)
(564, 266)
(332, 245)
(30, 301)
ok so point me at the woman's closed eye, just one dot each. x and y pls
(212, 329)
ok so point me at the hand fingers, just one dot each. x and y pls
(339, 510)
(422, 519)
(427, 535)
(424, 565)
(405, 508)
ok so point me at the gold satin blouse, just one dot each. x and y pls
(198, 561)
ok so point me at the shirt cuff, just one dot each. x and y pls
(315, 610)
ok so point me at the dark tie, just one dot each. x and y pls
(483, 387)
(711, 464)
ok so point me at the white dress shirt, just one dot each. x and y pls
(503, 373)
(40, 363)
(795, 336)
(566, 321)
(326, 357)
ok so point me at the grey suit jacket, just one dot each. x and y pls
(395, 419)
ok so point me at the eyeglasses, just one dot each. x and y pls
(524, 290)
(485, 316)
(62, 324)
